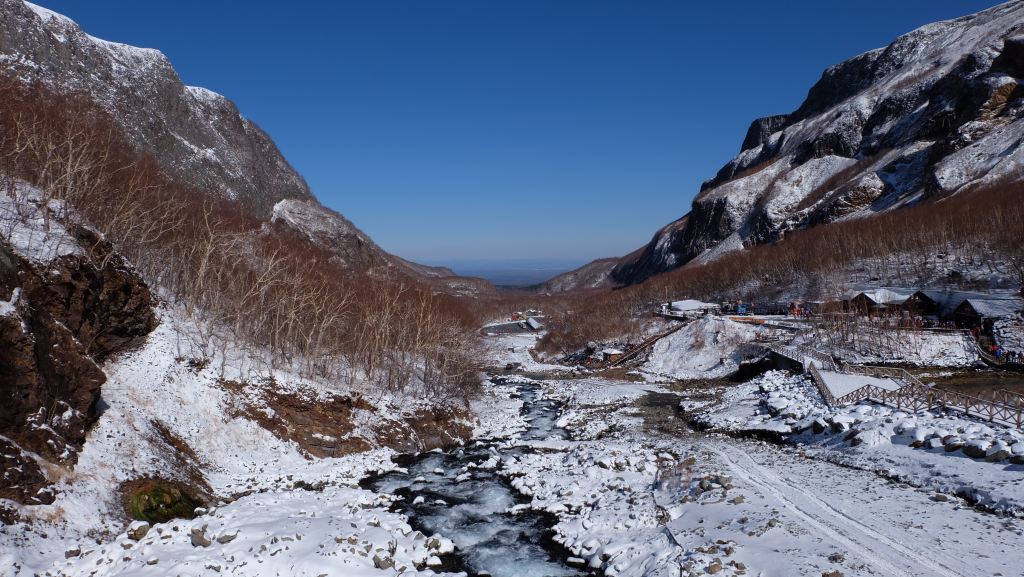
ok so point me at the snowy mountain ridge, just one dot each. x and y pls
(197, 136)
(934, 113)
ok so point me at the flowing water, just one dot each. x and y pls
(473, 512)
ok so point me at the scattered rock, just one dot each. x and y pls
(975, 449)
(997, 452)
(138, 530)
(227, 537)
(199, 538)
(381, 561)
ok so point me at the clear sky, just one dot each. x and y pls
(483, 130)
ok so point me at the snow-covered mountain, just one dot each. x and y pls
(936, 112)
(197, 136)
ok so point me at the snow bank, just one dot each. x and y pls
(150, 393)
(339, 531)
(518, 349)
(924, 448)
(707, 348)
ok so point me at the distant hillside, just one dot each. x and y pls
(936, 112)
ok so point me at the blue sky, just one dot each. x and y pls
(519, 130)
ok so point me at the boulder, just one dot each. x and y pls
(997, 452)
(199, 538)
(138, 530)
(976, 449)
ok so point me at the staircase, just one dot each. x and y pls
(645, 345)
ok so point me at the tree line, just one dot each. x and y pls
(246, 283)
(980, 230)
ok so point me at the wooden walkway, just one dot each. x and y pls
(1001, 406)
(801, 354)
(912, 395)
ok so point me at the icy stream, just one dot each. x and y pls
(471, 507)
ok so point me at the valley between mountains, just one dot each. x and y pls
(818, 370)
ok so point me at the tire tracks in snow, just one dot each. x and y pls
(873, 547)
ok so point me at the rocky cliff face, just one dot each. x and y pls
(57, 320)
(939, 110)
(197, 136)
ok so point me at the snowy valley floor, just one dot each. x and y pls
(628, 486)
(627, 494)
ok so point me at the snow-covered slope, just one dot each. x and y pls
(935, 112)
(109, 397)
(198, 136)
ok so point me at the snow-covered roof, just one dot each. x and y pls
(889, 296)
(534, 324)
(881, 295)
(611, 352)
(995, 308)
(692, 305)
(840, 384)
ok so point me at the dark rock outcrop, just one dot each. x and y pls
(62, 319)
(21, 479)
(762, 128)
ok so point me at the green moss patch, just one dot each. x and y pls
(157, 501)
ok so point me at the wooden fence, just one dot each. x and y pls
(1004, 407)
(822, 387)
(799, 352)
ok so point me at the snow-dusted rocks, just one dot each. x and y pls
(337, 531)
(922, 448)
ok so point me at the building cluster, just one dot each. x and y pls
(955, 309)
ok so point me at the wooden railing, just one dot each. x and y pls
(799, 352)
(915, 398)
(822, 387)
(645, 345)
(1003, 407)
(884, 372)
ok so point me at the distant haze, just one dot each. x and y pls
(514, 272)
